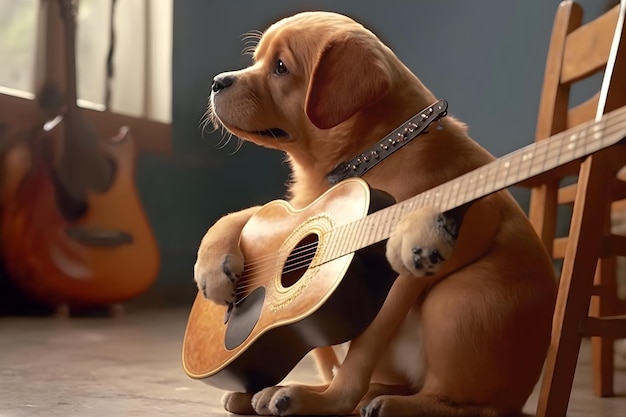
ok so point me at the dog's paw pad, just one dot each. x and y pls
(370, 410)
(422, 241)
(217, 279)
(262, 400)
(426, 260)
(231, 269)
(282, 403)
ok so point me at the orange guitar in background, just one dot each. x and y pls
(72, 229)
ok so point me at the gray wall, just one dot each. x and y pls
(485, 57)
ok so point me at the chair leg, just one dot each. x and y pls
(575, 287)
(542, 212)
(602, 348)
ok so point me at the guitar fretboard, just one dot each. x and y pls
(508, 170)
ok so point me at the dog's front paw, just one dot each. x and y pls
(422, 241)
(300, 400)
(238, 403)
(262, 401)
(217, 277)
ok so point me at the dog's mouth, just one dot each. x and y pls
(274, 132)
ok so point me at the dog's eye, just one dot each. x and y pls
(281, 68)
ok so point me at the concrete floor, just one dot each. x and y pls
(131, 366)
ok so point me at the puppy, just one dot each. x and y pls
(465, 335)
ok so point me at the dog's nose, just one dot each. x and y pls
(222, 81)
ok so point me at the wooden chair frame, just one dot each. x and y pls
(587, 298)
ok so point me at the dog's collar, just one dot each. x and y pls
(402, 135)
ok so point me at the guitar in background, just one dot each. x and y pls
(72, 229)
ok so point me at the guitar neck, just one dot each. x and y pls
(69, 12)
(508, 170)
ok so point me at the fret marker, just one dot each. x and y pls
(507, 164)
(598, 131)
(573, 137)
(527, 156)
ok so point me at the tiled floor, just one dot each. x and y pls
(131, 366)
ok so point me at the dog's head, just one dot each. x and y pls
(311, 72)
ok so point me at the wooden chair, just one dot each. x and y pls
(587, 301)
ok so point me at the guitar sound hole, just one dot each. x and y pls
(299, 260)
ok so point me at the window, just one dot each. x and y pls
(141, 84)
(17, 43)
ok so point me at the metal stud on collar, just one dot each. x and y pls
(396, 139)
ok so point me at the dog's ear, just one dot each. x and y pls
(346, 78)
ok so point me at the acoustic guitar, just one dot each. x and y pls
(72, 228)
(317, 276)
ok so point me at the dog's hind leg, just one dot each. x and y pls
(376, 390)
(262, 400)
(326, 361)
(352, 380)
(426, 406)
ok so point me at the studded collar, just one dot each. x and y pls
(396, 139)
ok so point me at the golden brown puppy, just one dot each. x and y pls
(463, 337)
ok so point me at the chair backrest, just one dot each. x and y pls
(577, 52)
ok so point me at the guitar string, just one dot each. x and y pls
(292, 264)
(302, 257)
(261, 263)
(610, 125)
(264, 262)
(241, 289)
(561, 145)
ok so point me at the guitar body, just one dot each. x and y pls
(107, 255)
(288, 302)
